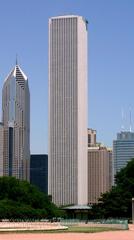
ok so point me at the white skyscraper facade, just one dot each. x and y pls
(16, 125)
(67, 158)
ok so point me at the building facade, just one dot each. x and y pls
(1, 149)
(39, 171)
(67, 158)
(123, 150)
(91, 137)
(99, 172)
(16, 125)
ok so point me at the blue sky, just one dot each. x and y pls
(24, 30)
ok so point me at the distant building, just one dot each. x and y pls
(39, 171)
(1, 149)
(16, 125)
(110, 167)
(68, 110)
(99, 172)
(99, 168)
(91, 137)
(123, 150)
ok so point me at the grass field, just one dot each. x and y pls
(86, 229)
(71, 229)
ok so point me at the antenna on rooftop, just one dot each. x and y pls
(130, 129)
(122, 116)
(16, 59)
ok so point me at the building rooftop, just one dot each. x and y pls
(78, 207)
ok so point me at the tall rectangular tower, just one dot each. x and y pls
(67, 159)
(16, 125)
(1, 149)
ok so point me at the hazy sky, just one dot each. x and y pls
(24, 30)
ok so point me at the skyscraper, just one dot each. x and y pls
(123, 150)
(1, 149)
(16, 124)
(67, 157)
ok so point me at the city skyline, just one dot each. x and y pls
(111, 60)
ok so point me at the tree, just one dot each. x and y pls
(21, 200)
(118, 201)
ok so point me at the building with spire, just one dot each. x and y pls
(67, 157)
(16, 125)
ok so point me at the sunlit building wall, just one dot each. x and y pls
(67, 157)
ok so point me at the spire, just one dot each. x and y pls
(16, 59)
(123, 117)
(130, 129)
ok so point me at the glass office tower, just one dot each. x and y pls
(16, 125)
(39, 171)
(123, 150)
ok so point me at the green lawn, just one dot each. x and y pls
(73, 229)
(86, 229)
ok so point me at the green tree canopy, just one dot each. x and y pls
(19, 199)
(118, 201)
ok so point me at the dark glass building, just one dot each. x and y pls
(39, 171)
